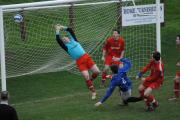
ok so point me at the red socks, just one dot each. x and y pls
(150, 99)
(90, 85)
(94, 76)
(176, 89)
(104, 77)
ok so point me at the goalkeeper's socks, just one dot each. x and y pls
(90, 85)
(94, 76)
(92, 89)
(176, 89)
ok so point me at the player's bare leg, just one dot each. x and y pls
(89, 83)
(145, 93)
(94, 75)
(95, 71)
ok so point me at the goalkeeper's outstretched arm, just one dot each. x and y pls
(70, 30)
(59, 39)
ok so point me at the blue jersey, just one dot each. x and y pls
(121, 80)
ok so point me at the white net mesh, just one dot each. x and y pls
(31, 46)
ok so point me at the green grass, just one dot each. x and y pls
(64, 96)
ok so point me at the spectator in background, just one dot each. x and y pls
(177, 77)
(7, 112)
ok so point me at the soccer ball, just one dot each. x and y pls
(18, 18)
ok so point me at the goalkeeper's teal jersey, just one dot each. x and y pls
(75, 50)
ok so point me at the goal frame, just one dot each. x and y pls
(14, 7)
(40, 5)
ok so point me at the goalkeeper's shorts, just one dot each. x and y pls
(85, 62)
(178, 73)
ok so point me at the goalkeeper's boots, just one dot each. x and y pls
(93, 96)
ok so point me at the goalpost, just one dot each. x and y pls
(2, 40)
(29, 47)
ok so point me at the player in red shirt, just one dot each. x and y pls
(153, 81)
(113, 47)
(177, 77)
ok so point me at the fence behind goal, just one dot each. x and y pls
(30, 46)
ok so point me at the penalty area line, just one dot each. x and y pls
(55, 98)
(67, 96)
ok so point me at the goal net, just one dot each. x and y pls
(30, 46)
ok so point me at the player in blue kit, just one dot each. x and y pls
(83, 60)
(119, 79)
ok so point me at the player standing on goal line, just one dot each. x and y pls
(177, 77)
(119, 79)
(84, 62)
(153, 81)
(113, 47)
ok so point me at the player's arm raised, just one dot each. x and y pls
(58, 37)
(72, 34)
(69, 31)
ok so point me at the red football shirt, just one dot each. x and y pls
(114, 47)
(157, 71)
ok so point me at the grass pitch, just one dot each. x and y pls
(64, 96)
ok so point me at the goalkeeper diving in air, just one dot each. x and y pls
(119, 79)
(83, 60)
